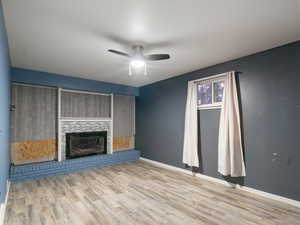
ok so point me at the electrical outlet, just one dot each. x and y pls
(275, 155)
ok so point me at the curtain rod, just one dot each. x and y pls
(212, 77)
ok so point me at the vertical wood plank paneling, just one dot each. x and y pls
(124, 122)
(116, 116)
(123, 116)
(125, 109)
(33, 124)
(132, 115)
(85, 105)
(34, 117)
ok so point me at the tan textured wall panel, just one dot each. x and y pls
(123, 143)
(33, 151)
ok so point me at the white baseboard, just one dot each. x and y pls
(3, 205)
(223, 182)
(270, 195)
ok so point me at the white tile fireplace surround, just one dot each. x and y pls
(82, 125)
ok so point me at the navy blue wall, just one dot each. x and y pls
(270, 101)
(4, 107)
(57, 80)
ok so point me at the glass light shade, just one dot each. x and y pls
(137, 63)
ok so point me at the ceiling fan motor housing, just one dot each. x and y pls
(138, 52)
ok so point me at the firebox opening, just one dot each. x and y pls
(86, 144)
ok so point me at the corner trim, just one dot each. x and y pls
(3, 206)
(223, 182)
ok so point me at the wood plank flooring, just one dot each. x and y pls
(139, 193)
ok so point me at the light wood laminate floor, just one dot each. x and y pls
(139, 193)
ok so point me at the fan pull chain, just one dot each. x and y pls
(130, 70)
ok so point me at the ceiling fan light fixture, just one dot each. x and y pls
(137, 63)
(138, 59)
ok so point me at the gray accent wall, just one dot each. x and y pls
(270, 107)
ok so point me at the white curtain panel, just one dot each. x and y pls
(230, 150)
(190, 145)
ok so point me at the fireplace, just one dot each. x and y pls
(86, 144)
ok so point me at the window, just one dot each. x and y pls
(210, 93)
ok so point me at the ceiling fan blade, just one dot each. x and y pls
(154, 57)
(118, 52)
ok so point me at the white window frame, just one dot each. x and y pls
(212, 80)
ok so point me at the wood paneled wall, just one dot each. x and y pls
(124, 122)
(33, 122)
(85, 105)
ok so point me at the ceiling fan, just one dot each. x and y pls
(138, 59)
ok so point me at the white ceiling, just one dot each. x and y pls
(71, 37)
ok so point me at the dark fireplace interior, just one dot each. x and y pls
(86, 144)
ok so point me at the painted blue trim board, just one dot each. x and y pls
(68, 82)
(53, 168)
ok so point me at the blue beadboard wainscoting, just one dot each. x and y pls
(55, 168)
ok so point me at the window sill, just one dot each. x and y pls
(209, 107)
